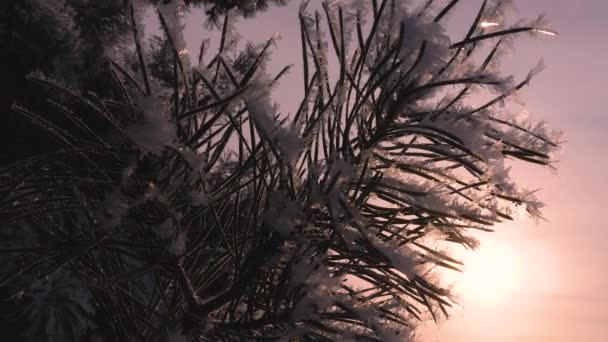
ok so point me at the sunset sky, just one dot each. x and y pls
(556, 272)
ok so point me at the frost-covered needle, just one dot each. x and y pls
(485, 24)
(277, 36)
(183, 52)
(547, 32)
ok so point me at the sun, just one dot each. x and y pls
(490, 273)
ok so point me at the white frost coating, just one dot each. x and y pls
(232, 33)
(111, 211)
(281, 221)
(499, 175)
(470, 133)
(479, 133)
(199, 198)
(174, 12)
(386, 329)
(402, 257)
(351, 236)
(547, 32)
(320, 286)
(319, 44)
(57, 300)
(194, 159)
(283, 214)
(533, 207)
(499, 83)
(177, 246)
(60, 12)
(343, 170)
(526, 133)
(176, 335)
(437, 196)
(486, 24)
(361, 6)
(156, 131)
(258, 102)
(497, 12)
(437, 44)
(165, 230)
(61, 29)
(420, 65)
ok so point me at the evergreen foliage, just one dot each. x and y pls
(166, 198)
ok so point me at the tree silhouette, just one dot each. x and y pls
(171, 201)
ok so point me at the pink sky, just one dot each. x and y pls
(562, 296)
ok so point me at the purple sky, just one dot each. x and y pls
(563, 296)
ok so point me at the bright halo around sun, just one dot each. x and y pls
(491, 272)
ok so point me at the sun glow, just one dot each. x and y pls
(490, 273)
